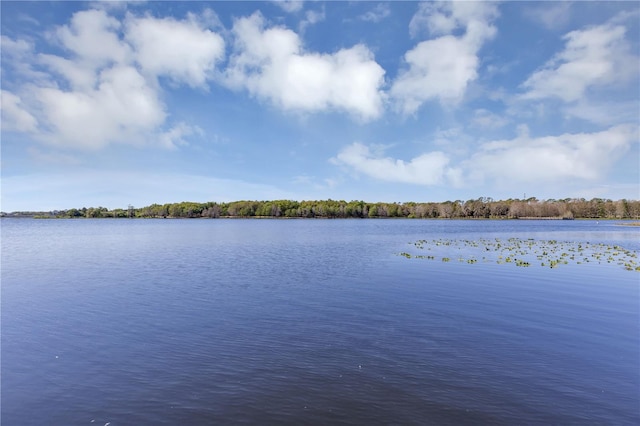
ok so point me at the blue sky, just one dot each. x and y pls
(110, 104)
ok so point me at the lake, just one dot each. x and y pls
(222, 321)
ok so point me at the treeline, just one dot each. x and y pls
(487, 208)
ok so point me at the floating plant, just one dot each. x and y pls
(523, 253)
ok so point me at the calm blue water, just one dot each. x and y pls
(310, 322)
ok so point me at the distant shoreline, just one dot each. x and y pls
(481, 208)
(628, 222)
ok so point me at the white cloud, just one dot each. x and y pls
(14, 116)
(290, 6)
(14, 47)
(104, 89)
(177, 134)
(596, 56)
(426, 169)
(443, 67)
(311, 17)
(582, 156)
(441, 18)
(182, 50)
(438, 69)
(79, 76)
(92, 28)
(565, 160)
(18, 56)
(123, 108)
(377, 14)
(272, 64)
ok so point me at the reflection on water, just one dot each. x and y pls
(311, 321)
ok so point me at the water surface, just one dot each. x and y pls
(310, 321)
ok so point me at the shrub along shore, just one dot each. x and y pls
(485, 208)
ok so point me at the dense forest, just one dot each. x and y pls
(487, 208)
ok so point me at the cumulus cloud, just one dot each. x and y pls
(438, 69)
(441, 68)
(582, 156)
(596, 56)
(182, 50)
(272, 64)
(123, 108)
(554, 160)
(426, 169)
(88, 97)
(104, 88)
(91, 28)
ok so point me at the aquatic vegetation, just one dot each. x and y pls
(527, 252)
